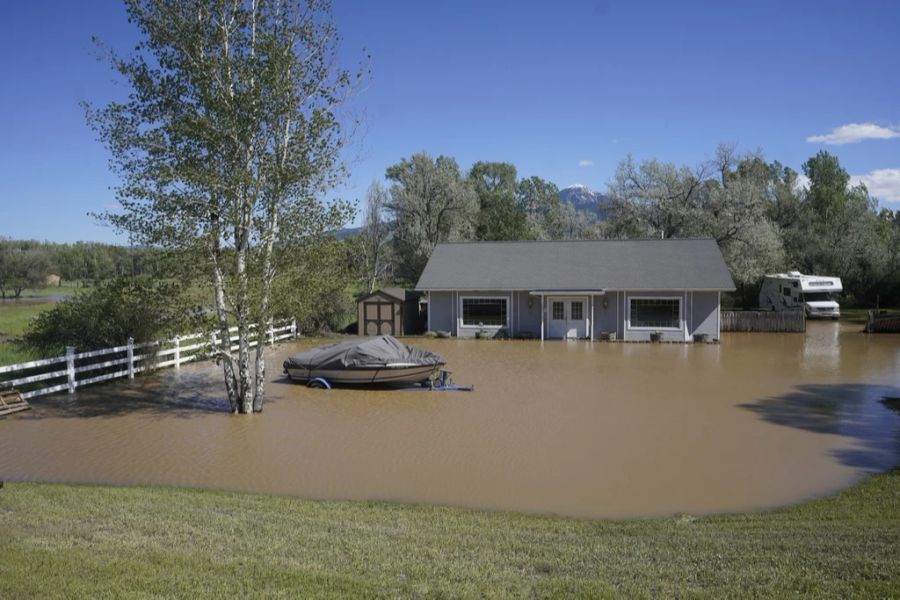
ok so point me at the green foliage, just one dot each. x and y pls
(539, 200)
(431, 202)
(228, 139)
(500, 217)
(141, 308)
(312, 283)
(84, 262)
(764, 221)
(23, 265)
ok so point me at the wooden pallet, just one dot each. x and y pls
(11, 401)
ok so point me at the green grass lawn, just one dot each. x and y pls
(91, 541)
(14, 318)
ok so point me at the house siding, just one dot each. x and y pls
(699, 314)
(440, 311)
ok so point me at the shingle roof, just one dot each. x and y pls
(577, 265)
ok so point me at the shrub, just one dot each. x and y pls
(108, 315)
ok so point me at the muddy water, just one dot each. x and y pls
(602, 430)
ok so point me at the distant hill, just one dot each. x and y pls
(347, 232)
(585, 199)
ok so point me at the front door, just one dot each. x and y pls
(567, 318)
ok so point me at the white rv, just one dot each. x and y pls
(814, 294)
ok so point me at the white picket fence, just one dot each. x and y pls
(198, 346)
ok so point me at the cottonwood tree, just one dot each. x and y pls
(499, 215)
(431, 202)
(375, 236)
(733, 211)
(229, 134)
(539, 200)
(654, 199)
(23, 265)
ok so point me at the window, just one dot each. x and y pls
(489, 312)
(655, 313)
(559, 311)
(577, 311)
(817, 296)
(787, 291)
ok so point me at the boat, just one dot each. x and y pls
(379, 360)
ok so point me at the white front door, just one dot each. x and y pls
(567, 318)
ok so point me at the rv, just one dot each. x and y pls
(813, 294)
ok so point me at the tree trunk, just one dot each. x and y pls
(265, 321)
(242, 244)
(223, 351)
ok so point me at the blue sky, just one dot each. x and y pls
(562, 90)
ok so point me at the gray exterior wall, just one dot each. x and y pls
(699, 314)
(440, 312)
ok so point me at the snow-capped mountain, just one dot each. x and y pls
(583, 198)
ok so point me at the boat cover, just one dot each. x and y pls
(366, 353)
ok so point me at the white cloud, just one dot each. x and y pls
(585, 163)
(802, 182)
(884, 184)
(855, 132)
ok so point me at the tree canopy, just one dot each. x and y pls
(226, 143)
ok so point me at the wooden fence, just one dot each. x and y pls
(769, 321)
(882, 322)
(64, 372)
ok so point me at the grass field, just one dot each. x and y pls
(15, 316)
(14, 319)
(90, 541)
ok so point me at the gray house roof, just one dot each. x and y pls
(577, 265)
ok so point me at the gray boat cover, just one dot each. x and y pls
(366, 353)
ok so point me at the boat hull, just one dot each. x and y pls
(387, 375)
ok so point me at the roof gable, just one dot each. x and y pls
(671, 264)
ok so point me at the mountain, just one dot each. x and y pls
(583, 198)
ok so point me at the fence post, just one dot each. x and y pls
(70, 367)
(130, 354)
(213, 343)
(271, 332)
(293, 327)
(177, 352)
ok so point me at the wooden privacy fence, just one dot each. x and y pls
(882, 322)
(68, 372)
(791, 321)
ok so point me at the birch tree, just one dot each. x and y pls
(229, 134)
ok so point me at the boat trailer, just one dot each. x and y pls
(443, 382)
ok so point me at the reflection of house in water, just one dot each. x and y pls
(822, 346)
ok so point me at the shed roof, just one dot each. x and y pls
(395, 293)
(673, 264)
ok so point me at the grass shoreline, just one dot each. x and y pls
(62, 540)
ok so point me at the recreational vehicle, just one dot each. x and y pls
(813, 294)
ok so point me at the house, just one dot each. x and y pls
(389, 311)
(618, 289)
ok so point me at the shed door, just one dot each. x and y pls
(379, 318)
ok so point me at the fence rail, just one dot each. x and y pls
(792, 321)
(34, 372)
(882, 322)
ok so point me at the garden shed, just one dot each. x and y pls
(389, 311)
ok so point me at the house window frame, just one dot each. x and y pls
(680, 301)
(462, 323)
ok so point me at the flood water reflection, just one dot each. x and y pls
(591, 430)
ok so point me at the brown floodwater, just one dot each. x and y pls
(573, 428)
